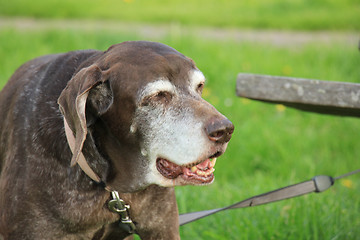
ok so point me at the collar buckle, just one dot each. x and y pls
(117, 205)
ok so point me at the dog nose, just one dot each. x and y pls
(220, 131)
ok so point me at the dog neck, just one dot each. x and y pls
(116, 205)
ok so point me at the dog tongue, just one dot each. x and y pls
(204, 165)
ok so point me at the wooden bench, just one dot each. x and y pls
(326, 97)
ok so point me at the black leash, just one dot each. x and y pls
(316, 184)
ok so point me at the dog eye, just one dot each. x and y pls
(162, 97)
(200, 87)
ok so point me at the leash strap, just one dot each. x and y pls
(317, 184)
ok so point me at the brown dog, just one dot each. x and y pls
(136, 115)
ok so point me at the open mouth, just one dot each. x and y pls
(197, 173)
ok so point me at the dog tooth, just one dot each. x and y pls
(210, 171)
(213, 162)
(193, 169)
(201, 173)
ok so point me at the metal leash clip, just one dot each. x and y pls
(117, 205)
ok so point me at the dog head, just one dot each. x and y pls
(142, 103)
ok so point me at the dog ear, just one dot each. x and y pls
(88, 90)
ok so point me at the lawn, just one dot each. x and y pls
(262, 14)
(271, 147)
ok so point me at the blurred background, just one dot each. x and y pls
(273, 146)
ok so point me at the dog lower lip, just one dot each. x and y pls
(168, 169)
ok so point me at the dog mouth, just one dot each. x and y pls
(197, 173)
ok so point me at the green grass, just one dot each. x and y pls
(270, 148)
(264, 14)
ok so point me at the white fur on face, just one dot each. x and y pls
(174, 135)
(170, 131)
(161, 85)
(196, 78)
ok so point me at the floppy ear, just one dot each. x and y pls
(88, 89)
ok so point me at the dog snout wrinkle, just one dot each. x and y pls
(220, 131)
